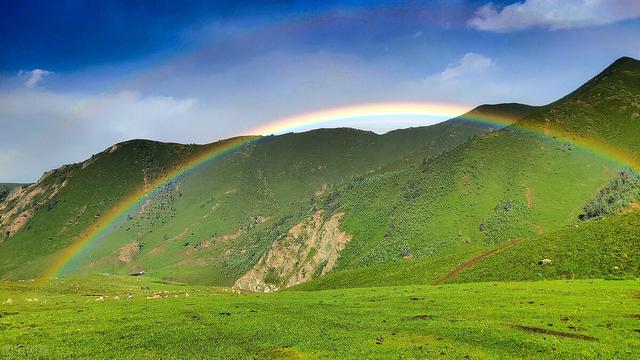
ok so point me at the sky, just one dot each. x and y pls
(78, 76)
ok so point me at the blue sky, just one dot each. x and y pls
(78, 76)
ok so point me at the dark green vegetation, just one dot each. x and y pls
(545, 320)
(604, 111)
(621, 193)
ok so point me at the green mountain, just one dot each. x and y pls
(603, 113)
(424, 224)
(347, 208)
(203, 226)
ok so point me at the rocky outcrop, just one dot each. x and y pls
(22, 202)
(128, 253)
(18, 207)
(310, 248)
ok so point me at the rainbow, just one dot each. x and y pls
(370, 113)
(82, 244)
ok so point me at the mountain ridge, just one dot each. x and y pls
(414, 203)
(147, 160)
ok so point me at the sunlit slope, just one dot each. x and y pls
(483, 115)
(418, 224)
(225, 200)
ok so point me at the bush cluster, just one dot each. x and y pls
(617, 195)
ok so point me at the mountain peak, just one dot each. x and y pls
(624, 62)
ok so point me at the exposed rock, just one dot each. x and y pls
(322, 190)
(260, 219)
(22, 202)
(88, 162)
(310, 248)
(544, 262)
(21, 210)
(127, 253)
(222, 238)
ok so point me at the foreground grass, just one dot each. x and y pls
(546, 319)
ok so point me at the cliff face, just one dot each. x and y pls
(310, 248)
(19, 205)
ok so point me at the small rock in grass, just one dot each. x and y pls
(544, 262)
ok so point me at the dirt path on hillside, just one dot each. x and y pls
(471, 263)
(529, 196)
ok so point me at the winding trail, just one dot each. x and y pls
(471, 263)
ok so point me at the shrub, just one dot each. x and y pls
(617, 195)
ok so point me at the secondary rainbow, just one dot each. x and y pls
(389, 112)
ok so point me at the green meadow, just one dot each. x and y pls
(91, 317)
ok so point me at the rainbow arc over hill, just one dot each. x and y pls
(81, 246)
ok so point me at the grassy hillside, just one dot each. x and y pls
(65, 201)
(606, 247)
(229, 213)
(542, 320)
(414, 225)
(203, 226)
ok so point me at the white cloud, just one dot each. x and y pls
(471, 64)
(553, 14)
(42, 130)
(45, 128)
(35, 76)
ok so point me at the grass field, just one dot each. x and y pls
(545, 319)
